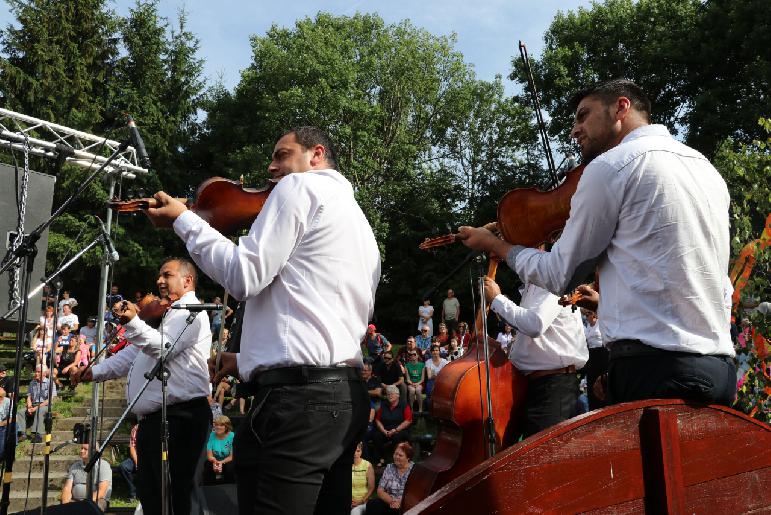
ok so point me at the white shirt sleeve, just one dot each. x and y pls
(249, 267)
(148, 339)
(529, 321)
(115, 366)
(594, 213)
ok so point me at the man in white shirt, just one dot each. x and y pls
(549, 349)
(189, 416)
(307, 271)
(598, 357)
(652, 215)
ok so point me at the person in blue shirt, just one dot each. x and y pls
(219, 453)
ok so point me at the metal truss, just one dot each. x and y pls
(49, 140)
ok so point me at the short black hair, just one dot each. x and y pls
(609, 91)
(186, 267)
(309, 136)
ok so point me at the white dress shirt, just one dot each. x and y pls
(308, 271)
(593, 335)
(549, 336)
(654, 214)
(188, 371)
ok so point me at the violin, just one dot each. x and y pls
(224, 204)
(152, 309)
(528, 216)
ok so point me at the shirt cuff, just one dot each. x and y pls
(133, 327)
(497, 304)
(511, 256)
(185, 223)
(96, 373)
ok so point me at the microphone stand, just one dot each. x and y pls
(26, 252)
(57, 284)
(160, 372)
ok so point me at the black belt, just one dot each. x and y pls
(299, 375)
(636, 349)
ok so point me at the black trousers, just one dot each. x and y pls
(293, 452)
(549, 400)
(594, 368)
(379, 441)
(672, 375)
(189, 427)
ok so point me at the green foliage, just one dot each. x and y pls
(80, 65)
(700, 62)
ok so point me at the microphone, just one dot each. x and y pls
(112, 254)
(198, 307)
(136, 140)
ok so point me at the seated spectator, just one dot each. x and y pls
(68, 318)
(362, 482)
(67, 300)
(374, 386)
(75, 486)
(416, 378)
(403, 355)
(219, 452)
(453, 350)
(505, 338)
(225, 386)
(89, 331)
(36, 407)
(443, 337)
(391, 487)
(392, 422)
(391, 372)
(433, 366)
(42, 347)
(63, 341)
(463, 335)
(66, 360)
(5, 417)
(47, 324)
(128, 466)
(423, 340)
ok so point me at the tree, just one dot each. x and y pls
(701, 63)
(410, 121)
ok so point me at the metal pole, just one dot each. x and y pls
(490, 422)
(103, 279)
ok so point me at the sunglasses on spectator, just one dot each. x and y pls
(387, 358)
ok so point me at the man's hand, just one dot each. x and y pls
(167, 211)
(599, 386)
(125, 310)
(478, 238)
(590, 299)
(80, 375)
(228, 367)
(492, 290)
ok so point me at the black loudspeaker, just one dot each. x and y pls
(73, 508)
(39, 199)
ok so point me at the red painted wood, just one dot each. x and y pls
(595, 463)
(662, 470)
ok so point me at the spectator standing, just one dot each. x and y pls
(128, 466)
(219, 452)
(451, 311)
(426, 317)
(391, 488)
(216, 318)
(76, 485)
(362, 482)
(375, 343)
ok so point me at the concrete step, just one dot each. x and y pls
(106, 411)
(57, 462)
(20, 499)
(55, 481)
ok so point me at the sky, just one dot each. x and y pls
(487, 31)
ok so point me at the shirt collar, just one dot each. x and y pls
(647, 130)
(187, 298)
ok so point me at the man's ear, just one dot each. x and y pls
(319, 155)
(623, 107)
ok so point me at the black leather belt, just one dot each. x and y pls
(299, 375)
(635, 349)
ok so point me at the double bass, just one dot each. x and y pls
(529, 217)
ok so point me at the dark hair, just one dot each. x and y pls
(186, 266)
(309, 136)
(609, 91)
(406, 449)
